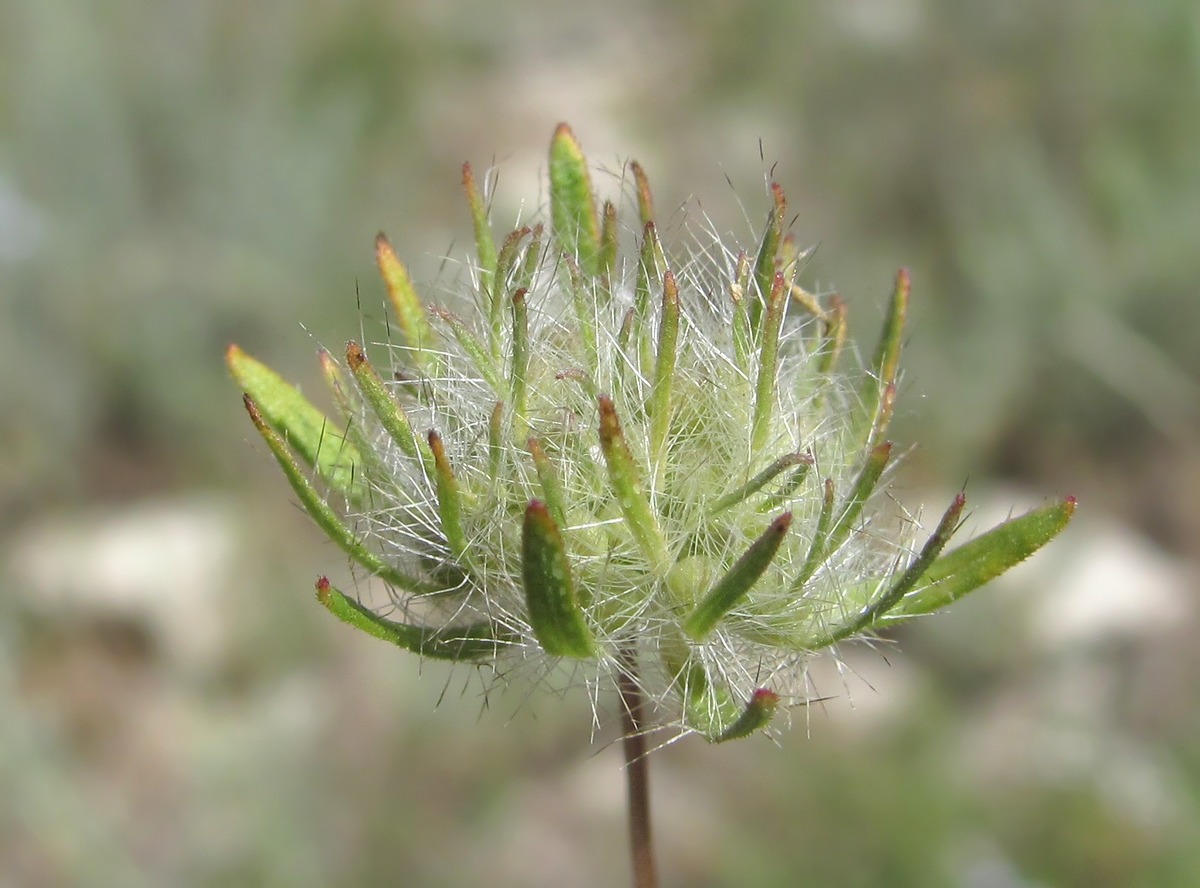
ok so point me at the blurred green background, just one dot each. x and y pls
(174, 176)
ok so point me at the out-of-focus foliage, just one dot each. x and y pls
(178, 175)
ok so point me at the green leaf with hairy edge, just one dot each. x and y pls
(879, 387)
(709, 710)
(324, 516)
(864, 486)
(554, 612)
(984, 558)
(869, 613)
(495, 442)
(816, 547)
(480, 357)
(306, 429)
(499, 304)
(733, 587)
(520, 361)
(572, 206)
(767, 382)
(346, 397)
(407, 307)
(523, 276)
(645, 201)
(627, 485)
(477, 641)
(552, 491)
(767, 263)
(608, 243)
(664, 370)
(652, 265)
(449, 497)
(759, 481)
(485, 243)
(759, 711)
(824, 545)
(389, 413)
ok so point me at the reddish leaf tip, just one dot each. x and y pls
(764, 697)
(354, 355)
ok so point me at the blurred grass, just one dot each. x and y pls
(176, 176)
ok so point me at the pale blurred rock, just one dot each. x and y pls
(166, 565)
(1110, 584)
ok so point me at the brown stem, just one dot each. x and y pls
(637, 772)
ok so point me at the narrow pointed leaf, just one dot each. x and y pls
(552, 491)
(583, 292)
(406, 305)
(788, 489)
(817, 547)
(664, 369)
(608, 240)
(984, 558)
(760, 480)
(474, 642)
(520, 359)
(626, 483)
(481, 359)
(876, 401)
(500, 301)
(870, 615)
(645, 201)
(324, 516)
(767, 264)
(305, 428)
(523, 278)
(765, 385)
(449, 497)
(757, 715)
(554, 612)
(390, 415)
(708, 710)
(572, 206)
(651, 268)
(485, 243)
(864, 486)
(495, 441)
(729, 591)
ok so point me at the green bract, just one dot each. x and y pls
(604, 454)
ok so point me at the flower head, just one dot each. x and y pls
(652, 466)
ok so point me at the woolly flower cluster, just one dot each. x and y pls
(656, 469)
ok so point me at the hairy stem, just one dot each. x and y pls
(637, 772)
